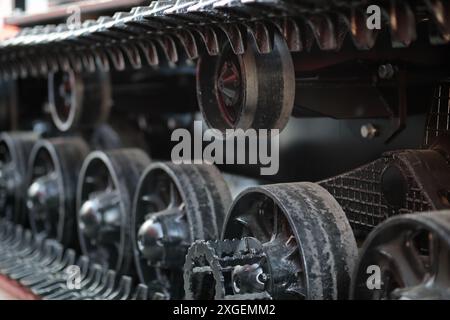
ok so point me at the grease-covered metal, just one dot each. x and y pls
(106, 187)
(293, 242)
(52, 174)
(42, 267)
(174, 205)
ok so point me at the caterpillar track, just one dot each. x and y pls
(351, 97)
(43, 267)
(173, 31)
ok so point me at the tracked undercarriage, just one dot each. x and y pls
(355, 93)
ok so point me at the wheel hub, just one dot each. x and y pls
(229, 89)
(249, 278)
(162, 239)
(43, 193)
(413, 254)
(100, 213)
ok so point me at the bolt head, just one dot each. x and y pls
(369, 131)
(386, 71)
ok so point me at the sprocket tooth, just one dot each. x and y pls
(53, 63)
(148, 48)
(341, 28)
(63, 61)
(88, 61)
(402, 24)
(75, 62)
(235, 34)
(210, 40)
(440, 14)
(290, 30)
(14, 70)
(324, 32)
(324, 23)
(23, 72)
(187, 41)
(43, 67)
(263, 35)
(307, 34)
(102, 61)
(170, 49)
(133, 56)
(363, 38)
(28, 69)
(117, 58)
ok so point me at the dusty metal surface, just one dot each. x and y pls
(174, 206)
(283, 241)
(41, 266)
(171, 30)
(52, 174)
(293, 242)
(104, 200)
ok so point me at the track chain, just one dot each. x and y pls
(41, 266)
(172, 31)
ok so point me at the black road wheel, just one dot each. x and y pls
(406, 257)
(251, 90)
(77, 100)
(285, 241)
(174, 206)
(15, 149)
(107, 183)
(53, 170)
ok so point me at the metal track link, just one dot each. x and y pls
(172, 31)
(42, 266)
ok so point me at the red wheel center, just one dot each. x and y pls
(229, 90)
(65, 93)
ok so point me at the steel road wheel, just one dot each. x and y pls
(108, 180)
(174, 206)
(412, 253)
